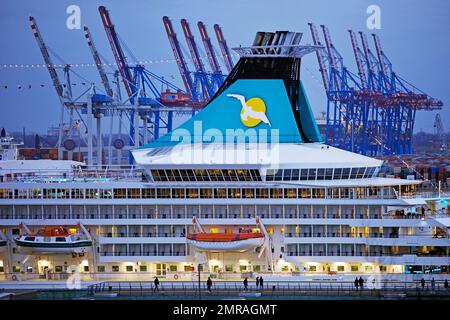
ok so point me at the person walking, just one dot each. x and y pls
(422, 283)
(361, 283)
(257, 283)
(433, 283)
(261, 282)
(209, 284)
(356, 283)
(245, 284)
(446, 284)
(156, 283)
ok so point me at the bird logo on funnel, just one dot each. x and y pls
(253, 111)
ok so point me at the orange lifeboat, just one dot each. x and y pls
(224, 241)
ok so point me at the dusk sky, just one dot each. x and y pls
(414, 35)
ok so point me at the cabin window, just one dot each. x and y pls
(173, 268)
(134, 193)
(337, 173)
(178, 193)
(276, 193)
(206, 193)
(60, 239)
(220, 193)
(16, 268)
(287, 174)
(320, 174)
(256, 268)
(340, 268)
(115, 268)
(242, 268)
(86, 268)
(345, 173)
(129, 268)
(192, 193)
(58, 268)
(148, 193)
(290, 193)
(313, 268)
(29, 238)
(143, 268)
(101, 268)
(262, 193)
(312, 174)
(270, 173)
(278, 175)
(354, 268)
(229, 268)
(163, 193)
(248, 193)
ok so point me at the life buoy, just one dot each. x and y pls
(175, 277)
(14, 277)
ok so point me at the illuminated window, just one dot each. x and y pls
(173, 268)
(340, 268)
(313, 268)
(354, 268)
(270, 230)
(143, 268)
(214, 230)
(229, 268)
(242, 268)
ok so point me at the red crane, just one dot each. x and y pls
(224, 48)
(181, 62)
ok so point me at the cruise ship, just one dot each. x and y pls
(245, 187)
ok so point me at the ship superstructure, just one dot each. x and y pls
(250, 166)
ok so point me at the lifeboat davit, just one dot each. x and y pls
(241, 241)
(54, 240)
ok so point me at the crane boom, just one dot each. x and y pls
(193, 49)
(47, 59)
(181, 62)
(119, 55)
(199, 66)
(320, 57)
(359, 63)
(215, 66)
(224, 48)
(332, 56)
(98, 62)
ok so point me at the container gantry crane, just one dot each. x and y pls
(372, 113)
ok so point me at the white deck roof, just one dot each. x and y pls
(282, 155)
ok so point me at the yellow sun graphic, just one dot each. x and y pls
(257, 105)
